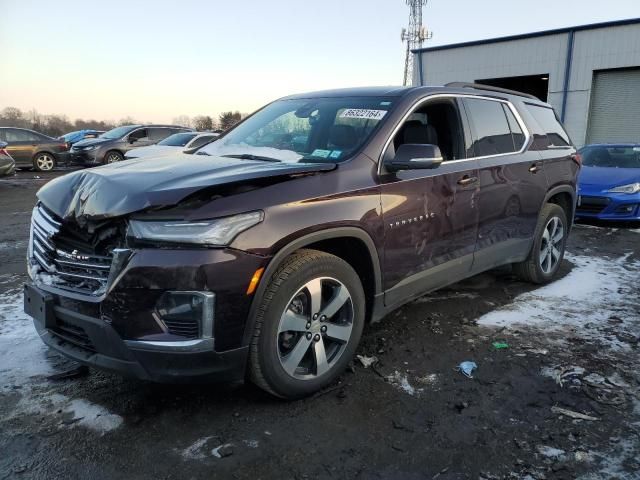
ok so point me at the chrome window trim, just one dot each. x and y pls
(419, 103)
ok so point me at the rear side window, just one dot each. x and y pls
(21, 136)
(551, 127)
(492, 135)
(157, 134)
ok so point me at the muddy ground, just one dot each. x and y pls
(572, 352)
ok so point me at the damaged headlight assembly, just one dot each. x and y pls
(217, 232)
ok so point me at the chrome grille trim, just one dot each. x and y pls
(84, 273)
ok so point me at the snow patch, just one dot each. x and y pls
(196, 451)
(22, 353)
(93, 416)
(580, 301)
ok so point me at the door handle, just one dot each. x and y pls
(535, 168)
(467, 180)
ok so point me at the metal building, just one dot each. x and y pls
(589, 73)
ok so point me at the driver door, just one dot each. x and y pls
(430, 216)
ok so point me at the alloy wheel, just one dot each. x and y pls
(315, 328)
(44, 162)
(113, 157)
(551, 245)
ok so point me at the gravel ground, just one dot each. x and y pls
(561, 401)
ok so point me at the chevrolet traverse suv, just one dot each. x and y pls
(111, 146)
(264, 254)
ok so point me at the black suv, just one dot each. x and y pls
(268, 251)
(111, 146)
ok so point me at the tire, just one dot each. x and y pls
(112, 156)
(44, 162)
(294, 353)
(545, 257)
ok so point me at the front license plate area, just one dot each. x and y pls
(39, 305)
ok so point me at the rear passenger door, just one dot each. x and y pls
(158, 134)
(430, 216)
(512, 182)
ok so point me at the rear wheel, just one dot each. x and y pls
(308, 325)
(112, 157)
(44, 162)
(547, 253)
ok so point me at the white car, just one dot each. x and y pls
(177, 142)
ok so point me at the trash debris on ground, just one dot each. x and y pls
(500, 345)
(563, 375)
(572, 414)
(367, 361)
(466, 368)
(222, 451)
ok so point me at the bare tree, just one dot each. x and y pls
(127, 121)
(182, 120)
(203, 122)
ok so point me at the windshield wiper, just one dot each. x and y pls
(250, 156)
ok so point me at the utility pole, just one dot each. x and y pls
(415, 35)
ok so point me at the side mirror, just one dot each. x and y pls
(3, 144)
(415, 156)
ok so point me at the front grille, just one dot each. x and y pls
(188, 328)
(73, 334)
(65, 255)
(592, 204)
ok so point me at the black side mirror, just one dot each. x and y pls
(3, 144)
(414, 156)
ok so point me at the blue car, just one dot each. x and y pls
(73, 137)
(609, 182)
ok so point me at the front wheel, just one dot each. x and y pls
(308, 325)
(44, 162)
(113, 157)
(547, 252)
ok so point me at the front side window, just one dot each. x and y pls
(611, 156)
(307, 130)
(139, 135)
(492, 135)
(438, 123)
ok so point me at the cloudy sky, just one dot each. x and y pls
(154, 60)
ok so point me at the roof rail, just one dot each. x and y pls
(491, 88)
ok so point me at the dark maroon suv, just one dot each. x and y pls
(264, 254)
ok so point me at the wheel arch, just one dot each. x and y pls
(565, 197)
(49, 152)
(351, 244)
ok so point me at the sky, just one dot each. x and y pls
(155, 60)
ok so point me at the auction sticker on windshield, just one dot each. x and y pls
(363, 113)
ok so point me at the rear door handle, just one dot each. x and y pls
(535, 168)
(467, 180)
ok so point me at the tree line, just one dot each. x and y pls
(57, 125)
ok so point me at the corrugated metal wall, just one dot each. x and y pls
(597, 49)
(615, 107)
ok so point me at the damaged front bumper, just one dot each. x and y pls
(130, 329)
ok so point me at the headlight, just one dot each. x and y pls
(631, 188)
(217, 232)
(90, 147)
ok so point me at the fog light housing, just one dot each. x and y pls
(187, 314)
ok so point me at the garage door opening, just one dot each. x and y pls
(537, 85)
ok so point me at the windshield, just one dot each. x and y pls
(612, 157)
(118, 132)
(314, 130)
(177, 139)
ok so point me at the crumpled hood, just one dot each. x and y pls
(133, 185)
(608, 176)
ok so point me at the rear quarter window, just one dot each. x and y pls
(492, 135)
(551, 133)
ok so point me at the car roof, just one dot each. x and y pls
(417, 91)
(619, 145)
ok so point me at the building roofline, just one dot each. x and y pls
(591, 26)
